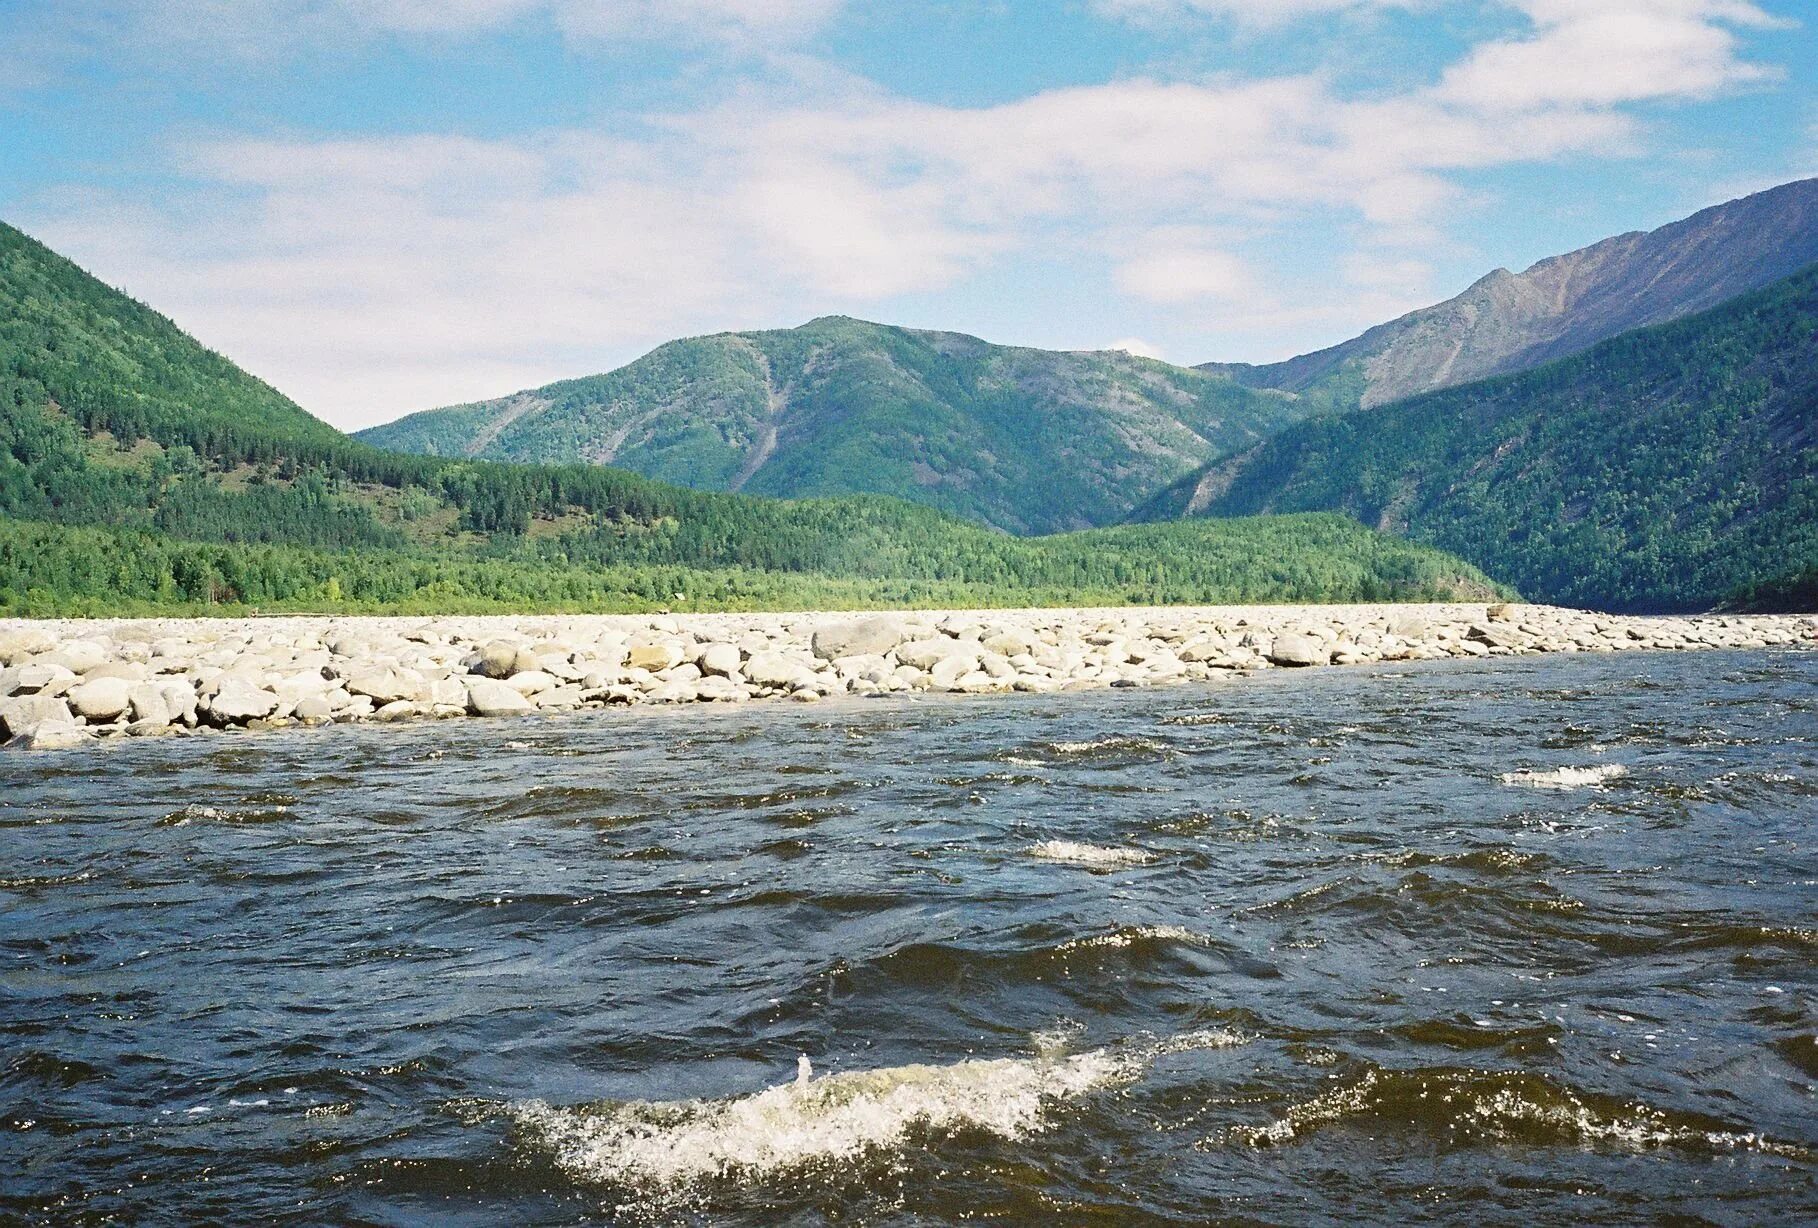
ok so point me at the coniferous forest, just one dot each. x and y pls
(1670, 468)
(140, 472)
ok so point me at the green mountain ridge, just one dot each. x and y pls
(1669, 467)
(1026, 440)
(62, 329)
(1034, 441)
(141, 473)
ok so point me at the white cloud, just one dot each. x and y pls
(1606, 52)
(372, 275)
(832, 228)
(1248, 12)
(51, 31)
(1139, 348)
(718, 18)
(367, 277)
(1183, 264)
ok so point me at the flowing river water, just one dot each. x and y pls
(1522, 940)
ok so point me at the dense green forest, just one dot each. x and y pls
(1668, 468)
(139, 471)
(1794, 593)
(48, 570)
(1031, 441)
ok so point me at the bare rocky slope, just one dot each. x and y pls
(1509, 322)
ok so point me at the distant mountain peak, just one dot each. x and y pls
(1668, 467)
(1562, 304)
(1022, 439)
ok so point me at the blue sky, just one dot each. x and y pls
(384, 205)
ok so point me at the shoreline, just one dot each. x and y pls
(79, 682)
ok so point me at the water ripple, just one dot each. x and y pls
(560, 971)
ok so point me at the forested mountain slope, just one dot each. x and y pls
(1510, 322)
(102, 352)
(1026, 440)
(1669, 467)
(139, 472)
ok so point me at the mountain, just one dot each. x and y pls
(140, 473)
(1030, 441)
(1669, 467)
(1513, 321)
(103, 352)
(1035, 441)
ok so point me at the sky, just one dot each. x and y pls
(381, 206)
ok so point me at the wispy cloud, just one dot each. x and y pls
(49, 34)
(1261, 13)
(1184, 264)
(1606, 52)
(378, 274)
(1139, 348)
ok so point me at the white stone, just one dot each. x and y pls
(496, 659)
(33, 676)
(530, 682)
(266, 671)
(237, 701)
(774, 669)
(180, 698)
(923, 654)
(720, 659)
(314, 709)
(490, 697)
(870, 636)
(53, 735)
(1297, 649)
(149, 705)
(389, 685)
(79, 656)
(23, 713)
(24, 642)
(104, 699)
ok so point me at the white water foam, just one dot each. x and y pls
(195, 812)
(1480, 1107)
(1098, 856)
(1565, 777)
(1107, 743)
(1132, 934)
(674, 1145)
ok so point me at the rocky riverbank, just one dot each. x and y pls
(70, 683)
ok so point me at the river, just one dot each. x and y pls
(1520, 940)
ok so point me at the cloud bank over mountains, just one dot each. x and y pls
(372, 272)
